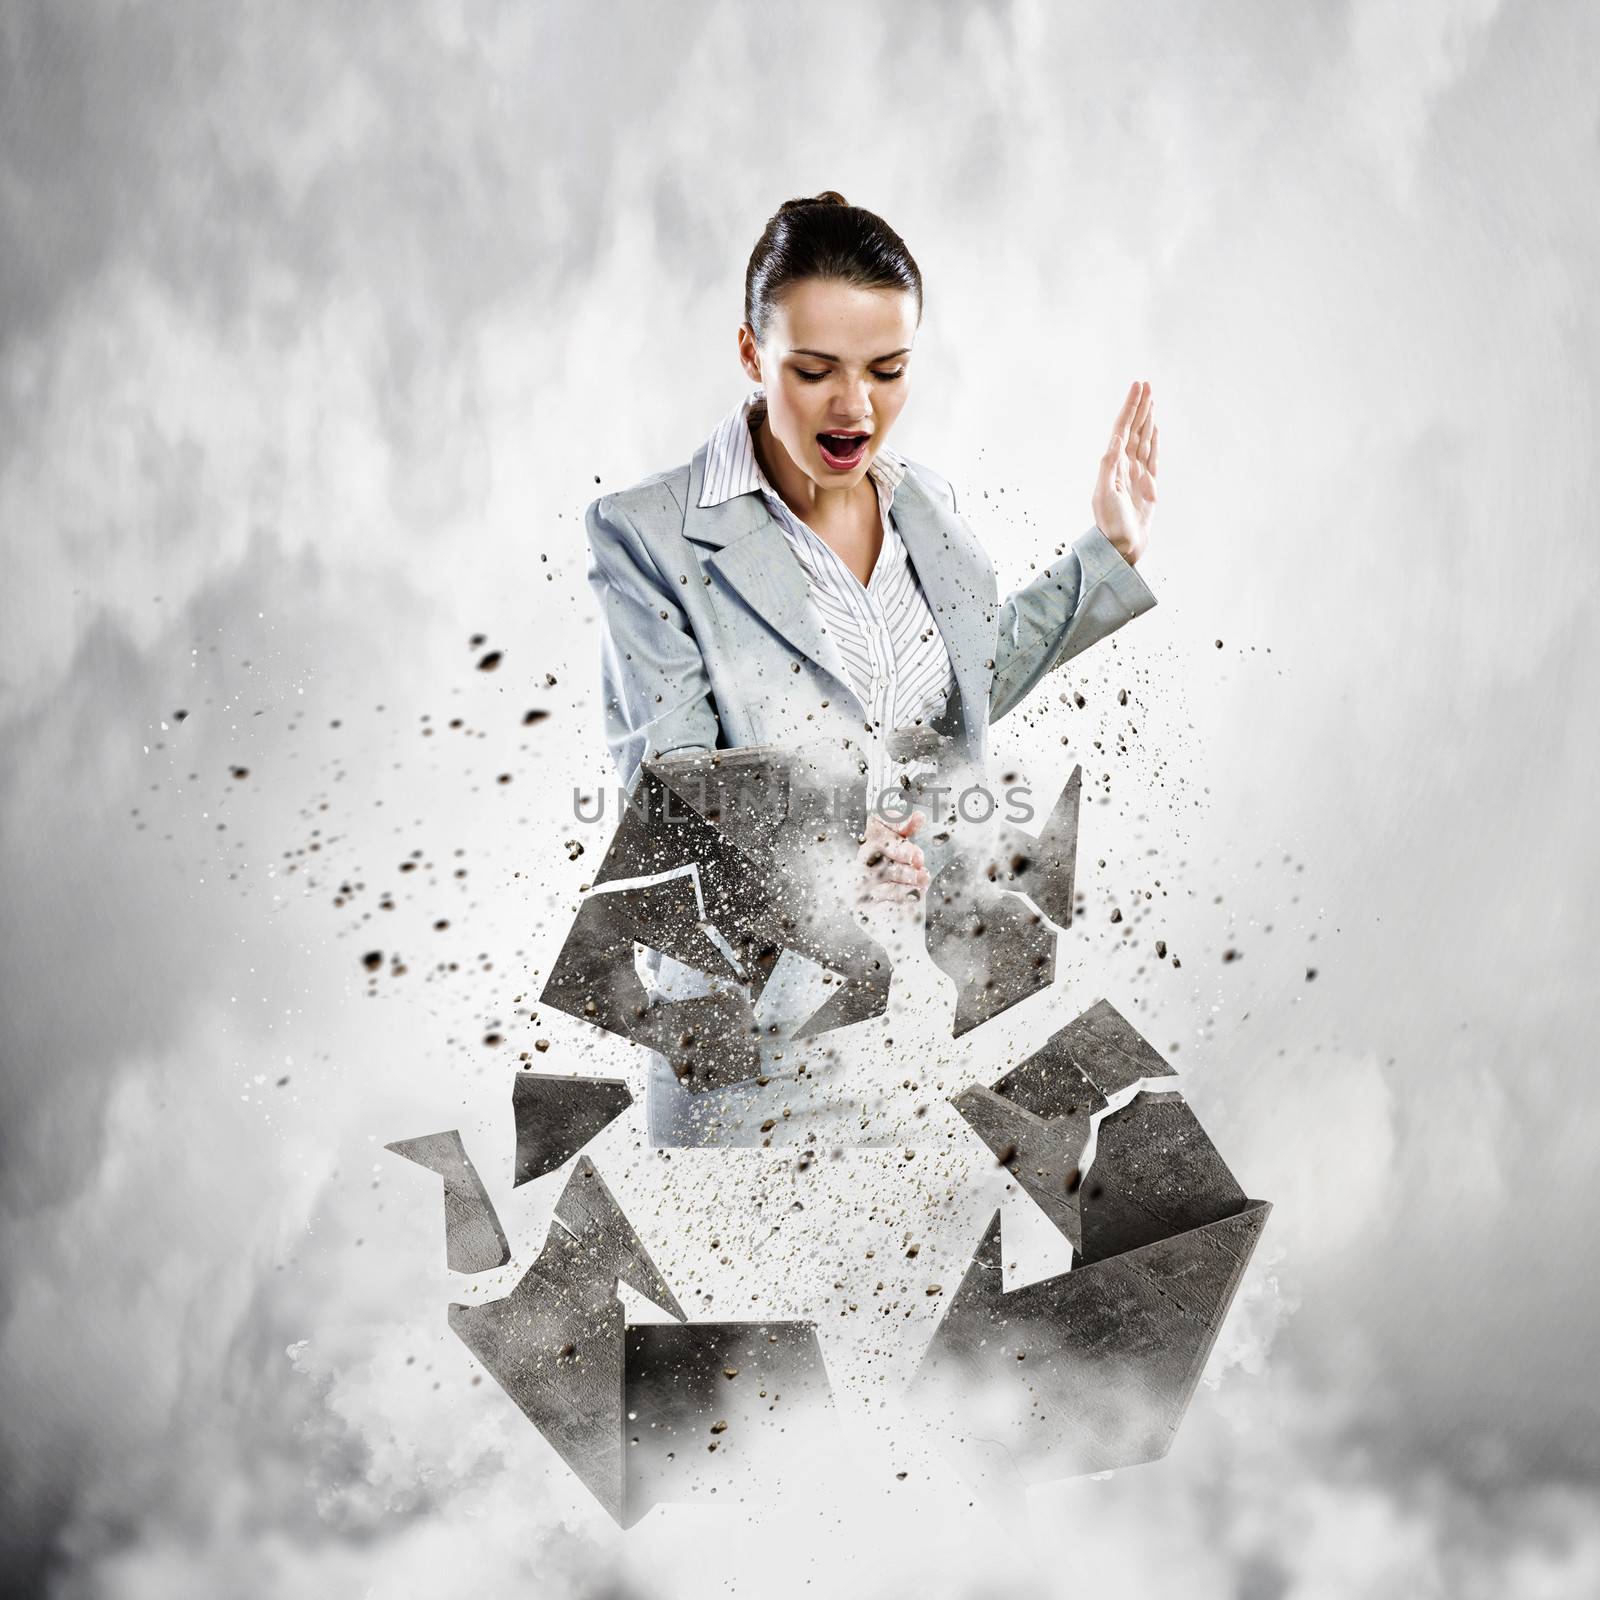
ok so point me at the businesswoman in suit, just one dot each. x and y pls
(800, 583)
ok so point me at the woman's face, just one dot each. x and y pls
(836, 367)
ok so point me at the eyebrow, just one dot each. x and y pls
(822, 355)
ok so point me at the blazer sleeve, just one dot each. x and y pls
(653, 677)
(1075, 602)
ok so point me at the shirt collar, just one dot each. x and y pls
(732, 468)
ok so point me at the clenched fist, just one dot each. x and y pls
(892, 866)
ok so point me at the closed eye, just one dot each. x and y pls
(817, 377)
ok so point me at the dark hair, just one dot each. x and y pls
(824, 236)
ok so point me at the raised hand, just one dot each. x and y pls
(1125, 492)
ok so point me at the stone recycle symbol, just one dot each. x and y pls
(1101, 1361)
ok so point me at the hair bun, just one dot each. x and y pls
(828, 197)
(823, 236)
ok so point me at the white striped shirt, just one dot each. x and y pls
(886, 634)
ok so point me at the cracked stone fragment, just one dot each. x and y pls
(743, 793)
(556, 1343)
(1044, 867)
(594, 977)
(681, 1399)
(861, 994)
(1107, 1049)
(1044, 1154)
(557, 1116)
(659, 833)
(1090, 1370)
(473, 1238)
(612, 1249)
(1098, 1053)
(710, 1040)
(992, 943)
(1155, 1174)
(774, 810)
(1094, 1368)
(1038, 1117)
(748, 822)
(759, 956)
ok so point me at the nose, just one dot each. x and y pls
(854, 406)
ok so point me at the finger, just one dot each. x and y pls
(1141, 416)
(1138, 444)
(879, 848)
(889, 894)
(909, 854)
(1119, 429)
(1129, 406)
(877, 837)
(894, 872)
(1147, 424)
(1155, 439)
(1126, 433)
(898, 894)
(910, 825)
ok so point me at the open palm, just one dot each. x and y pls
(1125, 492)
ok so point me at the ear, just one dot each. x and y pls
(749, 352)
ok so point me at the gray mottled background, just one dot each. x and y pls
(319, 325)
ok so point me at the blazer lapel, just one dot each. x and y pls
(960, 587)
(750, 553)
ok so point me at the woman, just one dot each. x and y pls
(799, 584)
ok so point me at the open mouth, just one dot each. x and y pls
(843, 451)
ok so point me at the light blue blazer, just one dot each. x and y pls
(710, 640)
